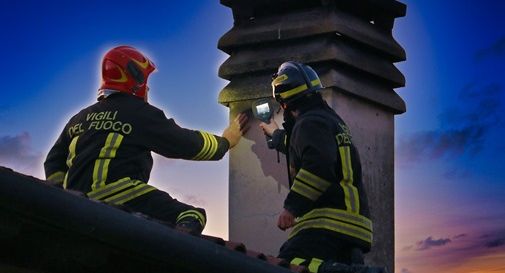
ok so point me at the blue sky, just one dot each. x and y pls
(449, 149)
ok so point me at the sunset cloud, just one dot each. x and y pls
(430, 242)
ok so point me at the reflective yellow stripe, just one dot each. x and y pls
(338, 215)
(297, 261)
(305, 190)
(314, 265)
(107, 153)
(298, 89)
(70, 158)
(209, 148)
(330, 224)
(130, 194)
(294, 91)
(192, 213)
(56, 177)
(71, 151)
(205, 146)
(312, 180)
(350, 191)
(112, 188)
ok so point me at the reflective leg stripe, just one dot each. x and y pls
(337, 220)
(312, 180)
(56, 177)
(297, 261)
(70, 158)
(209, 147)
(350, 191)
(107, 152)
(314, 265)
(194, 214)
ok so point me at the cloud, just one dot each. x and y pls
(430, 242)
(16, 152)
(462, 235)
(464, 127)
(405, 270)
(495, 243)
(496, 49)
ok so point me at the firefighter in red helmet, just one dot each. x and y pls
(105, 150)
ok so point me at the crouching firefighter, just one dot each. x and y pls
(326, 207)
(105, 150)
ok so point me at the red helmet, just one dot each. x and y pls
(125, 69)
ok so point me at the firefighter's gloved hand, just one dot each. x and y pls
(189, 225)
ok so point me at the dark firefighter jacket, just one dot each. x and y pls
(327, 191)
(105, 150)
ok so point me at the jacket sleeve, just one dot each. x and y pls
(168, 139)
(314, 143)
(55, 165)
(278, 141)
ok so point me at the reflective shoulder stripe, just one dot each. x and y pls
(312, 180)
(350, 191)
(305, 190)
(209, 147)
(56, 177)
(108, 152)
(193, 214)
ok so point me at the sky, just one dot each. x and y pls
(449, 204)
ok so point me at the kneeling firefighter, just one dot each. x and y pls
(326, 206)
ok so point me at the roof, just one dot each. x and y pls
(44, 228)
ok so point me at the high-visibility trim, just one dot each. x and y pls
(350, 191)
(314, 265)
(298, 89)
(70, 158)
(305, 190)
(193, 214)
(112, 188)
(333, 225)
(312, 180)
(338, 215)
(71, 151)
(337, 220)
(108, 152)
(56, 177)
(209, 147)
(297, 261)
(125, 196)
